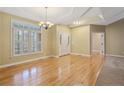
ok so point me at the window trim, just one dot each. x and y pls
(12, 39)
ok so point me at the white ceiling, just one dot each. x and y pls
(67, 15)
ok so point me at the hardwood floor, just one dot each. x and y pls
(66, 70)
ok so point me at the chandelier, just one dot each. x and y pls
(46, 24)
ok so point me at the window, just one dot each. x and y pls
(26, 38)
(35, 42)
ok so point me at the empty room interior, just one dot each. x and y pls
(62, 46)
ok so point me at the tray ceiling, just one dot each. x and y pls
(67, 15)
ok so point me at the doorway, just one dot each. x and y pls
(64, 43)
(98, 42)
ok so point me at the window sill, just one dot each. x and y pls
(39, 52)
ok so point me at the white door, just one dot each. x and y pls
(64, 43)
(102, 43)
(98, 42)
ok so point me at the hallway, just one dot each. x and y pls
(112, 72)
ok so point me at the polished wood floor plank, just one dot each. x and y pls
(66, 70)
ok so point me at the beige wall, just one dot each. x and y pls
(0, 41)
(115, 38)
(54, 41)
(5, 45)
(80, 40)
(48, 41)
(97, 28)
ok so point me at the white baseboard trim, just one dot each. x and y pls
(86, 55)
(54, 56)
(114, 55)
(44, 57)
(30, 60)
(95, 50)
